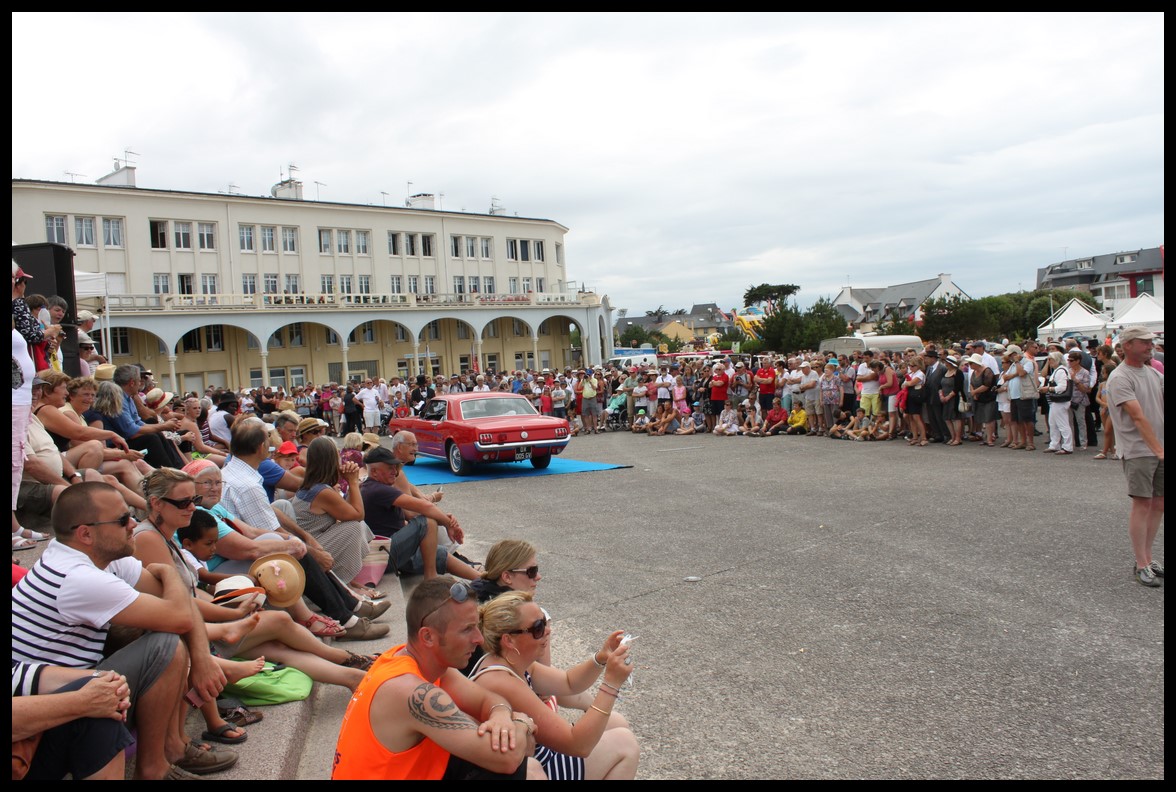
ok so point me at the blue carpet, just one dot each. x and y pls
(428, 471)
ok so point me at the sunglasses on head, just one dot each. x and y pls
(459, 592)
(537, 630)
(531, 571)
(183, 503)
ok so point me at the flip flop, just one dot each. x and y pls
(237, 713)
(218, 734)
(30, 534)
(20, 543)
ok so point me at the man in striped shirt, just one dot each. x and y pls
(88, 580)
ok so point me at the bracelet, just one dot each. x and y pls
(602, 712)
(597, 662)
(499, 704)
(610, 687)
(530, 730)
(607, 693)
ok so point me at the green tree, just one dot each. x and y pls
(658, 313)
(731, 336)
(782, 328)
(635, 335)
(822, 320)
(897, 324)
(775, 295)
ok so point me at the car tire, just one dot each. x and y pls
(541, 463)
(458, 464)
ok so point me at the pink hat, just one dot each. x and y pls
(198, 466)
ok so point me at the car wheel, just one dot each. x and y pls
(457, 463)
(541, 462)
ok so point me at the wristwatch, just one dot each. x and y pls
(79, 475)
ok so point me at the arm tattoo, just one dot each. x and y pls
(426, 705)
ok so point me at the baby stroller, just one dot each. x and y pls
(617, 413)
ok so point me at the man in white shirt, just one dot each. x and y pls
(89, 580)
(871, 386)
(370, 399)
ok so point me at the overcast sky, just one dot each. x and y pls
(689, 155)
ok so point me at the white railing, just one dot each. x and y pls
(223, 301)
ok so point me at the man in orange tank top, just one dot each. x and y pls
(415, 716)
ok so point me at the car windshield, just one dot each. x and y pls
(472, 409)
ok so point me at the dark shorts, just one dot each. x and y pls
(1024, 410)
(1145, 477)
(459, 769)
(404, 551)
(714, 406)
(79, 747)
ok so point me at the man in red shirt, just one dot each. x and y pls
(718, 395)
(777, 419)
(765, 382)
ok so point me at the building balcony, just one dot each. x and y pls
(153, 303)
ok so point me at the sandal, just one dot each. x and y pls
(218, 734)
(327, 627)
(20, 543)
(30, 534)
(362, 662)
(237, 713)
(1100, 455)
(366, 592)
(1030, 448)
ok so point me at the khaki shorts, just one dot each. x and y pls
(1145, 477)
(36, 497)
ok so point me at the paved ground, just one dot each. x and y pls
(864, 610)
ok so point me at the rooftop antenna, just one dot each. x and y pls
(408, 193)
(317, 185)
(440, 199)
(233, 189)
(383, 198)
(73, 176)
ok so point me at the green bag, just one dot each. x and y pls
(270, 686)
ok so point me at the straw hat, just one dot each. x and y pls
(281, 577)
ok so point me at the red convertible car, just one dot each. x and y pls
(467, 429)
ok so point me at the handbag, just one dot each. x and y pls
(274, 684)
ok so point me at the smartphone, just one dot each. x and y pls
(194, 698)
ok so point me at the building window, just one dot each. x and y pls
(254, 375)
(1126, 258)
(214, 340)
(112, 232)
(345, 285)
(538, 250)
(327, 284)
(275, 341)
(269, 282)
(517, 327)
(410, 244)
(524, 250)
(251, 343)
(492, 362)
(543, 328)
(492, 329)
(183, 233)
(324, 240)
(297, 376)
(332, 337)
(208, 285)
(1087, 264)
(296, 334)
(84, 231)
(427, 245)
(268, 239)
(514, 285)
(539, 285)
(206, 236)
(434, 330)
(245, 234)
(401, 333)
(249, 284)
(559, 254)
(393, 243)
(55, 229)
(369, 332)
(278, 377)
(289, 240)
(526, 285)
(365, 284)
(396, 284)
(512, 250)
(159, 234)
(1144, 284)
(413, 281)
(120, 341)
(186, 283)
(459, 284)
(485, 247)
(488, 284)
(430, 284)
(344, 240)
(361, 243)
(161, 283)
(191, 341)
(463, 330)
(471, 247)
(455, 246)
(294, 284)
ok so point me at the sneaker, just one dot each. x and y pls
(364, 630)
(1157, 569)
(1146, 577)
(372, 610)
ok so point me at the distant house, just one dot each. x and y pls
(1110, 276)
(701, 321)
(865, 309)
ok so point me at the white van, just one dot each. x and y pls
(644, 360)
(847, 345)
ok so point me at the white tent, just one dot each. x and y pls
(89, 284)
(1075, 316)
(1144, 310)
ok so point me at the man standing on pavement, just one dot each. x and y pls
(415, 717)
(1135, 398)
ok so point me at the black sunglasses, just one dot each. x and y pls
(183, 503)
(459, 592)
(531, 571)
(122, 522)
(537, 630)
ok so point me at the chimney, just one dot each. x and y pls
(421, 201)
(288, 190)
(124, 176)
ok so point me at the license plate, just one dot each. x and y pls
(522, 453)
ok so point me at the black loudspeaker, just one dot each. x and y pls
(52, 269)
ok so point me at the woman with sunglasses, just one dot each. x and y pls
(194, 420)
(330, 518)
(238, 631)
(600, 745)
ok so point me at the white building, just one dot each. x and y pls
(235, 290)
